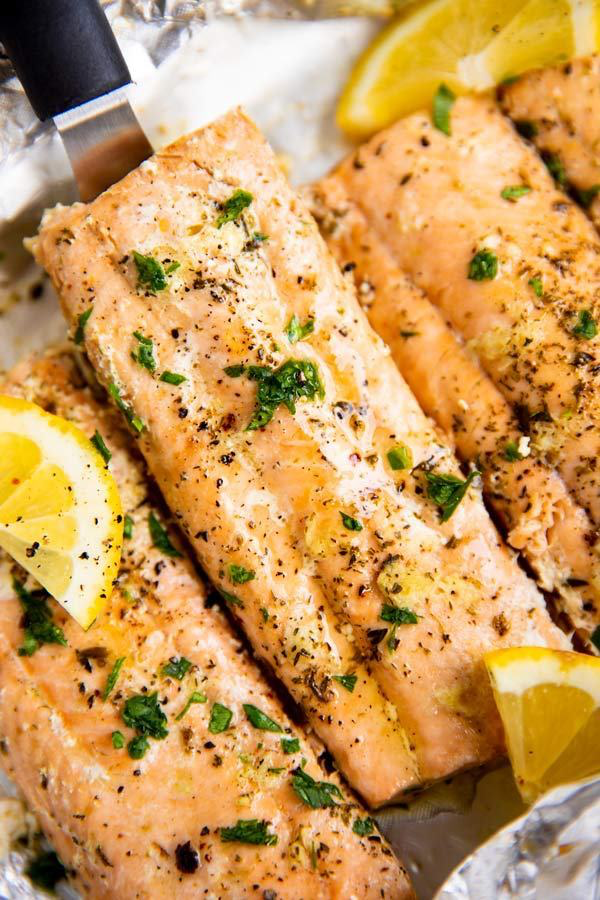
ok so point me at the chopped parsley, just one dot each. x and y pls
(220, 718)
(595, 637)
(316, 794)
(46, 870)
(292, 745)
(297, 332)
(526, 128)
(138, 746)
(293, 379)
(143, 712)
(127, 527)
(556, 168)
(172, 267)
(483, 266)
(398, 615)
(151, 274)
(160, 537)
(442, 106)
(249, 831)
(240, 575)
(231, 598)
(363, 827)
(172, 378)
(514, 191)
(259, 719)
(264, 613)
(350, 523)
(511, 452)
(400, 457)
(585, 196)
(447, 491)
(176, 667)
(347, 681)
(195, 697)
(586, 326)
(37, 620)
(98, 442)
(234, 207)
(118, 741)
(81, 323)
(134, 421)
(112, 678)
(145, 352)
(536, 284)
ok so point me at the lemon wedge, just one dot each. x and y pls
(60, 512)
(549, 701)
(467, 45)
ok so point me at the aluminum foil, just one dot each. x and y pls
(191, 60)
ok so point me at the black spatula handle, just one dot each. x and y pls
(63, 51)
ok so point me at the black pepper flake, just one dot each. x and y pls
(186, 858)
(182, 412)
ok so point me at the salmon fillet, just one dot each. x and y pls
(152, 828)
(558, 108)
(273, 457)
(540, 518)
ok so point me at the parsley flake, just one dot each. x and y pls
(442, 106)
(151, 274)
(316, 794)
(292, 745)
(128, 527)
(160, 537)
(398, 615)
(447, 491)
(536, 284)
(138, 746)
(81, 323)
(586, 326)
(38, 624)
(294, 379)
(145, 352)
(259, 719)
(511, 452)
(249, 831)
(585, 196)
(483, 266)
(134, 421)
(112, 678)
(176, 667)
(118, 741)
(220, 718)
(240, 575)
(350, 523)
(234, 371)
(98, 442)
(143, 712)
(514, 191)
(234, 207)
(195, 697)
(400, 457)
(297, 332)
(363, 827)
(347, 681)
(46, 870)
(172, 378)
(231, 599)
(556, 168)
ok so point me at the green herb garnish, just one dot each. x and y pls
(513, 192)
(220, 718)
(442, 106)
(398, 615)
(234, 207)
(46, 870)
(260, 719)
(249, 831)
(585, 196)
(538, 287)
(297, 332)
(240, 575)
(172, 267)
(586, 326)
(38, 624)
(347, 681)
(138, 746)
(172, 378)
(127, 527)
(118, 741)
(81, 323)
(143, 712)
(483, 266)
(112, 678)
(160, 537)
(151, 274)
(363, 827)
(400, 457)
(231, 598)
(511, 452)
(97, 441)
(195, 697)
(145, 352)
(350, 523)
(316, 794)
(234, 371)
(556, 168)
(291, 745)
(294, 379)
(176, 667)
(134, 421)
(447, 491)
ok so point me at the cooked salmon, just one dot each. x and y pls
(219, 802)
(540, 517)
(317, 495)
(558, 108)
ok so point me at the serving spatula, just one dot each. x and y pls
(67, 59)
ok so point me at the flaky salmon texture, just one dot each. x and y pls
(484, 278)
(210, 808)
(267, 408)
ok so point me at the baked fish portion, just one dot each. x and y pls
(539, 515)
(179, 773)
(267, 408)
